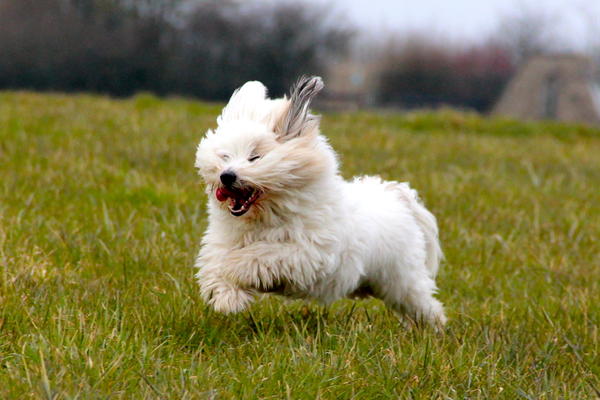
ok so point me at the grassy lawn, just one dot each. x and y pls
(101, 213)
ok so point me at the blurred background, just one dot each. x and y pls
(526, 59)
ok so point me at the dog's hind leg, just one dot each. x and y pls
(412, 292)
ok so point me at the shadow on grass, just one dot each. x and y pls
(273, 320)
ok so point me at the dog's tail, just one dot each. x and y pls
(428, 224)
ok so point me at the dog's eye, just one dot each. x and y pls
(253, 158)
(224, 156)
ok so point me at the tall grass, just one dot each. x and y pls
(101, 213)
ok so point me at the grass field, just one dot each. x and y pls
(101, 213)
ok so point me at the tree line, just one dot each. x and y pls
(207, 48)
(203, 49)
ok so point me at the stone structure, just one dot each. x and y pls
(560, 87)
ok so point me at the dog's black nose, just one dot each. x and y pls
(228, 178)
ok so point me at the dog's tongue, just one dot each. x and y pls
(222, 194)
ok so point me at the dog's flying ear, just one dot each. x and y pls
(297, 120)
(243, 103)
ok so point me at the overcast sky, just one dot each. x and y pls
(575, 20)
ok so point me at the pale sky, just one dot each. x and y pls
(576, 22)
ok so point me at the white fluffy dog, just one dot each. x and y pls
(282, 220)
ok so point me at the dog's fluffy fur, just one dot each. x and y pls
(282, 219)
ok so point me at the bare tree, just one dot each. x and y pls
(221, 44)
(421, 72)
(122, 46)
(527, 33)
(79, 45)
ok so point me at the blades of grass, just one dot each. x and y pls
(45, 381)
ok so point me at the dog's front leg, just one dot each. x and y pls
(264, 266)
(222, 294)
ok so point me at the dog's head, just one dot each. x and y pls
(263, 149)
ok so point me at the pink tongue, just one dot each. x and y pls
(222, 194)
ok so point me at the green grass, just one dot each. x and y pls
(101, 213)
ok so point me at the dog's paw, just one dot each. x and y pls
(231, 300)
(251, 276)
(441, 320)
(434, 317)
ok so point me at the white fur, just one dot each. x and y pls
(311, 234)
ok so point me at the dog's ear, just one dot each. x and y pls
(297, 120)
(243, 102)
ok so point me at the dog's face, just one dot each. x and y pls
(262, 149)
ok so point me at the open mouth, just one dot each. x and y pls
(240, 199)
